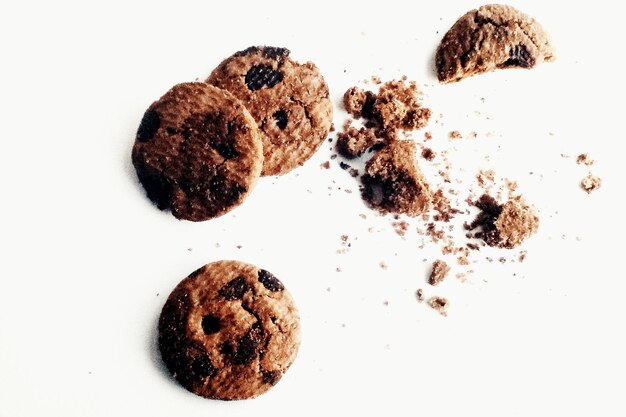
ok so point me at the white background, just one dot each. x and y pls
(87, 261)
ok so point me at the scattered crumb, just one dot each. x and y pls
(462, 260)
(522, 256)
(439, 272)
(590, 183)
(338, 269)
(473, 135)
(385, 303)
(353, 172)
(502, 260)
(328, 289)
(428, 154)
(583, 158)
(420, 295)
(239, 246)
(325, 165)
(400, 227)
(343, 165)
(383, 265)
(485, 178)
(440, 304)
(455, 134)
(427, 136)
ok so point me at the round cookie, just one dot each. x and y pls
(491, 37)
(229, 331)
(288, 100)
(197, 151)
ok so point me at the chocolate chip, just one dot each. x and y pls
(270, 52)
(249, 345)
(157, 186)
(269, 281)
(281, 119)
(270, 377)
(262, 75)
(150, 123)
(202, 366)
(225, 190)
(226, 349)
(369, 109)
(235, 289)
(519, 57)
(211, 324)
(226, 149)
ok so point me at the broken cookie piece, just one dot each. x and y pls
(506, 225)
(491, 37)
(590, 183)
(440, 304)
(439, 272)
(393, 183)
(352, 142)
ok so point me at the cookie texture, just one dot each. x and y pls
(289, 101)
(505, 225)
(491, 37)
(393, 183)
(229, 331)
(197, 152)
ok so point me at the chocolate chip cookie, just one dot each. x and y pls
(197, 151)
(491, 37)
(229, 331)
(288, 100)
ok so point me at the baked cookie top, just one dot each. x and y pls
(229, 331)
(491, 37)
(289, 101)
(197, 151)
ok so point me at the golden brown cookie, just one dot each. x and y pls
(491, 37)
(229, 331)
(288, 100)
(197, 151)
(393, 183)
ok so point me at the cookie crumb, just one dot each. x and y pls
(352, 142)
(439, 272)
(583, 158)
(428, 154)
(440, 304)
(325, 165)
(353, 172)
(427, 136)
(383, 265)
(420, 295)
(590, 183)
(455, 134)
(522, 256)
(400, 227)
(386, 303)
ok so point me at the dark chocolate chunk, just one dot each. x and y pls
(270, 377)
(281, 119)
(157, 186)
(150, 123)
(519, 57)
(250, 345)
(269, 281)
(369, 108)
(202, 366)
(235, 289)
(261, 75)
(270, 52)
(211, 324)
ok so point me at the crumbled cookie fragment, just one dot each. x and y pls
(325, 165)
(440, 304)
(353, 100)
(442, 205)
(583, 158)
(352, 142)
(400, 227)
(428, 154)
(590, 183)
(505, 226)
(439, 272)
(399, 107)
(393, 182)
(455, 134)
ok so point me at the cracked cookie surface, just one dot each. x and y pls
(491, 37)
(229, 331)
(289, 101)
(197, 152)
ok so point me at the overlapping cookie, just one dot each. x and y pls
(229, 331)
